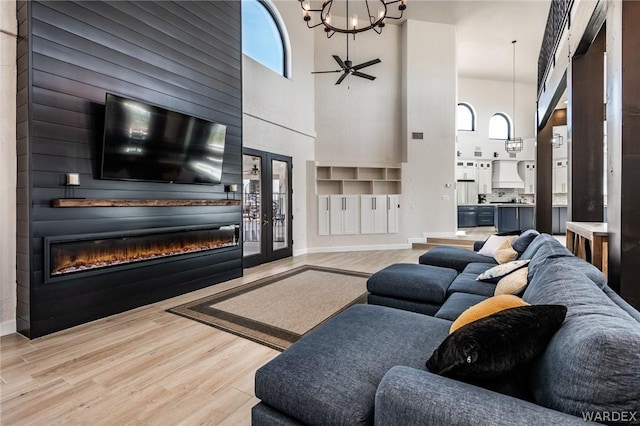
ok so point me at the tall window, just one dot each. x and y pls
(466, 117)
(500, 126)
(264, 37)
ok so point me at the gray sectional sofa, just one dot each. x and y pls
(367, 364)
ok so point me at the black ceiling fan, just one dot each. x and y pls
(347, 67)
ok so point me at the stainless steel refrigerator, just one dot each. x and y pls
(467, 191)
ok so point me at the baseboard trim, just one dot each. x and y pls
(300, 252)
(417, 240)
(334, 249)
(8, 327)
(439, 235)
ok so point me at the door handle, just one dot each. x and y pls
(264, 220)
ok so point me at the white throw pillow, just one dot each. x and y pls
(494, 242)
(494, 274)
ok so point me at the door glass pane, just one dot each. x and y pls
(280, 182)
(251, 205)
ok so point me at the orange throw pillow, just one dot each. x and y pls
(487, 307)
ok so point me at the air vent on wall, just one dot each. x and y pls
(477, 153)
(417, 135)
(512, 155)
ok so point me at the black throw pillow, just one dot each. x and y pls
(485, 351)
(508, 233)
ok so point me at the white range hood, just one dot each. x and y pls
(505, 174)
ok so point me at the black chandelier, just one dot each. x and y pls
(376, 22)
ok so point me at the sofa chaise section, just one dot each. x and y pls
(331, 375)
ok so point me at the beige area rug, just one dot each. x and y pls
(278, 310)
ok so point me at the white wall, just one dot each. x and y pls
(286, 102)
(487, 98)
(430, 75)
(359, 120)
(8, 168)
(278, 112)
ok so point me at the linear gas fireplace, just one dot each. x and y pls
(68, 256)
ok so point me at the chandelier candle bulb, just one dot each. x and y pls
(305, 10)
(381, 15)
(354, 21)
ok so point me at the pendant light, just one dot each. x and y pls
(513, 143)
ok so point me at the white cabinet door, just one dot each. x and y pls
(530, 178)
(324, 215)
(466, 170)
(350, 214)
(484, 177)
(460, 170)
(344, 214)
(393, 207)
(530, 181)
(380, 214)
(366, 214)
(373, 214)
(560, 177)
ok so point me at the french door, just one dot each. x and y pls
(266, 207)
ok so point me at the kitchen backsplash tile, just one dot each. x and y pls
(509, 194)
(560, 199)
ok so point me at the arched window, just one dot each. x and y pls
(264, 36)
(466, 117)
(500, 126)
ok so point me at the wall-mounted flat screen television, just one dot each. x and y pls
(148, 143)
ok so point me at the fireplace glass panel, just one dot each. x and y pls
(67, 257)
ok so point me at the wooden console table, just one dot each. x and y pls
(582, 236)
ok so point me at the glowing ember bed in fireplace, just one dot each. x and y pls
(69, 255)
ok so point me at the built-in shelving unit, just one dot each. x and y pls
(352, 180)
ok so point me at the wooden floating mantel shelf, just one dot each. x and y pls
(84, 202)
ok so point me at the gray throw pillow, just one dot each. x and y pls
(521, 243)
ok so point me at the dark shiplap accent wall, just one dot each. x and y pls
(22, 147)
(184, 56)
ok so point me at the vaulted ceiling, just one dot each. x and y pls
(485, 30)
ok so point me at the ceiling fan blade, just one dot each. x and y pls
(342, 77)
(366, 64)
(363, 75)
(339, 61)
(324, 72)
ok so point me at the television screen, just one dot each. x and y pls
(149, 143)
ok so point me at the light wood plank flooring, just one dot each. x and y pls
(147, 366)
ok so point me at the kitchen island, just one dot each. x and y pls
(504, 216)
(507, 217)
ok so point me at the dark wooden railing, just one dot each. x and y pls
(556, 20)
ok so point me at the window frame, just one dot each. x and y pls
(506, 118)
(472, 111)
(284, 37)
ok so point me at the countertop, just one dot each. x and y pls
(506, 205)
